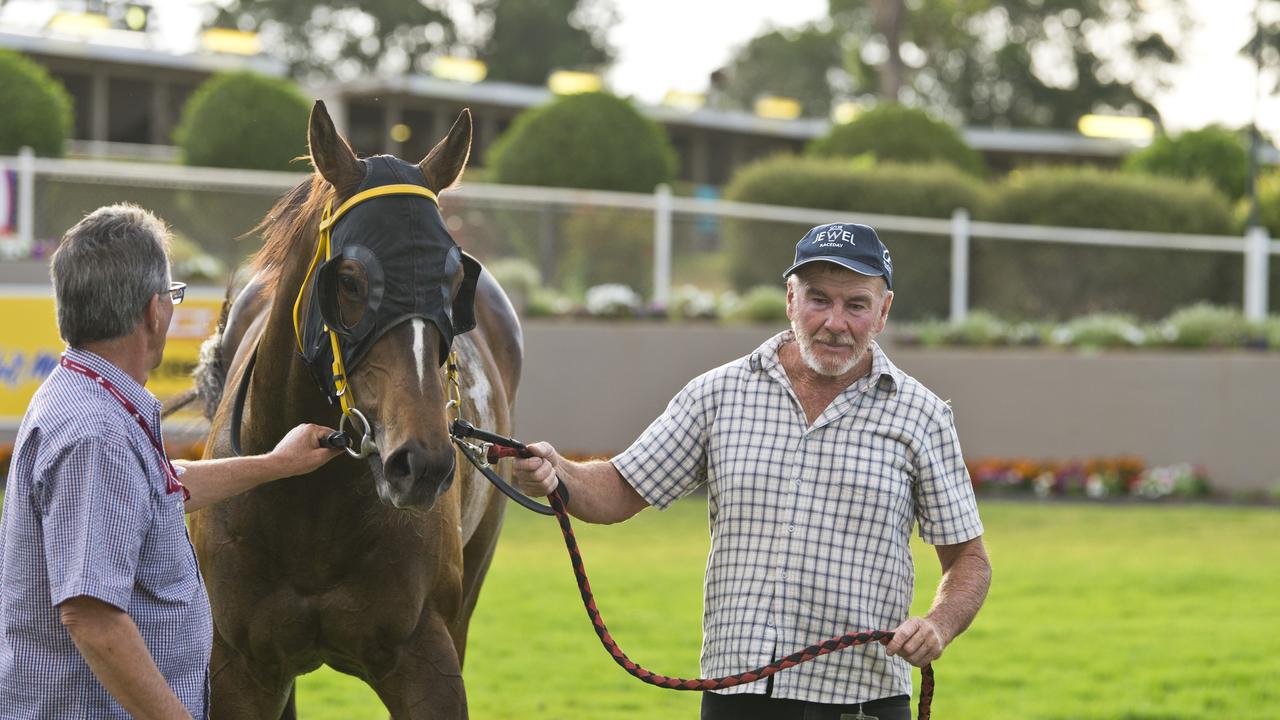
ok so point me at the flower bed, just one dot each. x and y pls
(1096, 478)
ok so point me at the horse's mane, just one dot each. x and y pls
(292, 221)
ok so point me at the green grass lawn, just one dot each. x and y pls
(1108, 612)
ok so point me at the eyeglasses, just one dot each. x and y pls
(176, 291)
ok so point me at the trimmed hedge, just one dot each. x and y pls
(600, 142)
(893, 133)
(244, 120)
(590, 140)
(1036, 280)
(759, 251)
(35, 110)
(1268, 204)
(1212, 153)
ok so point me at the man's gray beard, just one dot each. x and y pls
(805, 343)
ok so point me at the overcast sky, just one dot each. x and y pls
(675, 44)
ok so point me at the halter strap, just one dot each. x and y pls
(324, 248)
(399, 189)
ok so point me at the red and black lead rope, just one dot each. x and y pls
(501, 447)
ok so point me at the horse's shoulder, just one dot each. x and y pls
(500, 329)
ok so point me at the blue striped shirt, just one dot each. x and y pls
(87, 513)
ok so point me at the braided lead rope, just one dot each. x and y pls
(728, 681)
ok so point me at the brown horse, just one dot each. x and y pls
(371, 566)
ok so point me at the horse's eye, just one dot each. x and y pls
(348, 284)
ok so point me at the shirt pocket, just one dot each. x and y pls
(873, 481)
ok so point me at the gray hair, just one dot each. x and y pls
(106, 270)
(798, 284)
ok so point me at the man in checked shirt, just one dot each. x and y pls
(102, 610)
(819, 457)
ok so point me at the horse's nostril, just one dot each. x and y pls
(406, 462)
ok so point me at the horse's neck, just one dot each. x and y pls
(290, 393)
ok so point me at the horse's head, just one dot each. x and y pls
(394, 292)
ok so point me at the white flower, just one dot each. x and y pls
(1095, 487)
(612, 300)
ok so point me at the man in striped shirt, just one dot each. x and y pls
(819, 457)
(103, 613)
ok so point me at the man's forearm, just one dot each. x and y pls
(598, 493)
(209, 481)
(110, 643)
(966, 577)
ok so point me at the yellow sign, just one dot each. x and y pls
(30, 347)
(1119, 127)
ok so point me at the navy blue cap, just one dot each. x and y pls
(856, 247)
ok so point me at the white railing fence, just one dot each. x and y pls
(533, 214)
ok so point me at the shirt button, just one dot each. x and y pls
(791, 528)
(783, 574)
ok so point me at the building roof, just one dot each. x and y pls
(133, 48)
(1050, 142)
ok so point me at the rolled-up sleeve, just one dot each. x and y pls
(945, 505)
(669, 460)
(95, 506)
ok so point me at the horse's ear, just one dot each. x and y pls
(330, 153)
(444, 164)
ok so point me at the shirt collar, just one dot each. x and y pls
(886, 375)
(141, 398)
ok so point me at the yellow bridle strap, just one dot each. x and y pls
(324, 248)
(455, 392)
(328, 221)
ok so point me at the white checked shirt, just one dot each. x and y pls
(810, 526)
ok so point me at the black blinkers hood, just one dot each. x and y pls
(409, 261)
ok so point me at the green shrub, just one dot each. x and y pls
(759, 251)
(980, 329)
(1100, 330)
(1268, 203)
(35, 110)
(895, 133)
(518, 278)
(1207, 326)
(766, 303)
(1017, 279)
(1212, 153)
(1271, 331)
(1268, 217)
(591, 140)
(545, 302)
(244, 120)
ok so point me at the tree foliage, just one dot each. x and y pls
(343, 38)
(1042, 63)
(527, 40)
(1013, 62)
(244, 120)
(1213, 153)
(35, 110)
(899, 134)
(803, 64)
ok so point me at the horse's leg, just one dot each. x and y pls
(476, 557)
(237, 689)
(291, 705)
(426, 680)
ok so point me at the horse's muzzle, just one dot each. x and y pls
(413, 476)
